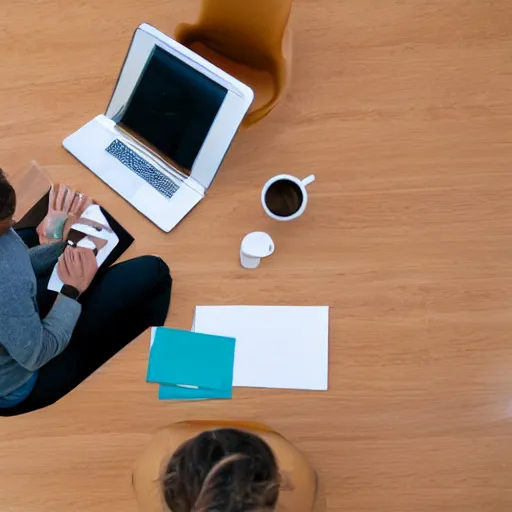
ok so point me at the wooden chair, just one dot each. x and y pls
(249, 40)
(32, 188)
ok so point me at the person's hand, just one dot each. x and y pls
(77, 267)
(65, 207)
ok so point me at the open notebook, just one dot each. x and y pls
(118, 240)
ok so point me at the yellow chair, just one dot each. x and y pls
(249, 40)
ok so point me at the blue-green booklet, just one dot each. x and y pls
(190, 365)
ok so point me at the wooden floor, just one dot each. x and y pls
(403, 109)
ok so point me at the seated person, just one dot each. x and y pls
(206, 466)
(50, 343)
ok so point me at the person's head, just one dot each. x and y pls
(7, 204)
(224, 470)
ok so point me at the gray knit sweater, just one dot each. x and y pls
(28, 342)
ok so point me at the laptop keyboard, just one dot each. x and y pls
(145, 170)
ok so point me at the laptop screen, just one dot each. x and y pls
(173, 108)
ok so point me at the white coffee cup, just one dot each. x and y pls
(284, 197)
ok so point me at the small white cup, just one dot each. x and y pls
(255, 246)
(302, 184)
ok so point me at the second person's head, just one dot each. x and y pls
(223, 470)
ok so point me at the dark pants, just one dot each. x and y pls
(122, 302)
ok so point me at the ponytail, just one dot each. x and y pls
(242, 495)
(206, 498)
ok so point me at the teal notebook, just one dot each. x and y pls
(166, 392)
(191, 366)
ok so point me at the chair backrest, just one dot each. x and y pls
(32, 187)
(247, 31)
(244, 35)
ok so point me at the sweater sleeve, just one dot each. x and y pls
(30, 341)
(44, 257)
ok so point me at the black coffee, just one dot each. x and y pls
(284, 198)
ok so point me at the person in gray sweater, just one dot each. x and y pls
(49, 342)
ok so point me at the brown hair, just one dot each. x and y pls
(7, 198)
(224, 470)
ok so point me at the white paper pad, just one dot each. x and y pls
(92, 213)
(276, 346)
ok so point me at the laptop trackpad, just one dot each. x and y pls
(150, 202)
(123, 180)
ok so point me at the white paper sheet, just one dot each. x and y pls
(92, 213)
(276, 346)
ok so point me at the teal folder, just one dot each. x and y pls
(191, 366)
(166, 392)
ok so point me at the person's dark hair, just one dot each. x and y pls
(7, 198)
(224, 470)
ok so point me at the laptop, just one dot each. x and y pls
(168, 126)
